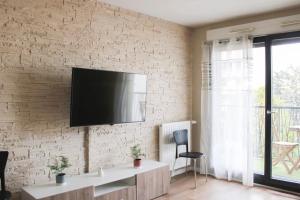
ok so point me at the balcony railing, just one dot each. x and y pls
(285, 139)
(283, 121)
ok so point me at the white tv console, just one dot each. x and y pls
(149, 181)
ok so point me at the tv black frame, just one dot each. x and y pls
(99, 124)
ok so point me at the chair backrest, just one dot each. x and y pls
(3, 161)
(181, 138)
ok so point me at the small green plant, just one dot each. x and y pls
(136, 152)
(60, 164)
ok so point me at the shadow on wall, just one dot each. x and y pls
(34, 124)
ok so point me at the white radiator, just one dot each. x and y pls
(167, 147)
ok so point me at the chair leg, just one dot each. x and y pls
(186, 161)
(173, 170)
(195, 175)
(205, 163)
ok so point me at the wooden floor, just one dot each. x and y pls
(183, 189)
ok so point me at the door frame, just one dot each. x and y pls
(267, 179)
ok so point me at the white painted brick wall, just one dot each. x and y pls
(39, 43)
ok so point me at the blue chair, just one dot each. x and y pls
(181, 138)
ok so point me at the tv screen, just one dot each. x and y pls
(107, 97)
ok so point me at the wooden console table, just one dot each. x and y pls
(121, 183)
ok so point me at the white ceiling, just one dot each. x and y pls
(199, 12)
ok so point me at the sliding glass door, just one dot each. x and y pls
(277, 91)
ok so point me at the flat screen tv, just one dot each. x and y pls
(107, 97)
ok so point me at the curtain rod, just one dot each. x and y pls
(225, 40)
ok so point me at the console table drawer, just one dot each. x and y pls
(81, 194)
(153, 184)
(123, 194)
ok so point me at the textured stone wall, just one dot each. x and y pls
(41, 40)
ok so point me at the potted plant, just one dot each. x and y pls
(136, 154)
(60, 164)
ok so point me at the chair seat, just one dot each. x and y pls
(191, 154)
(5, 195)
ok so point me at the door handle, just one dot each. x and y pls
(269, 112)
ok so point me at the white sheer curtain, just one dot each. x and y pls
(226, 109)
